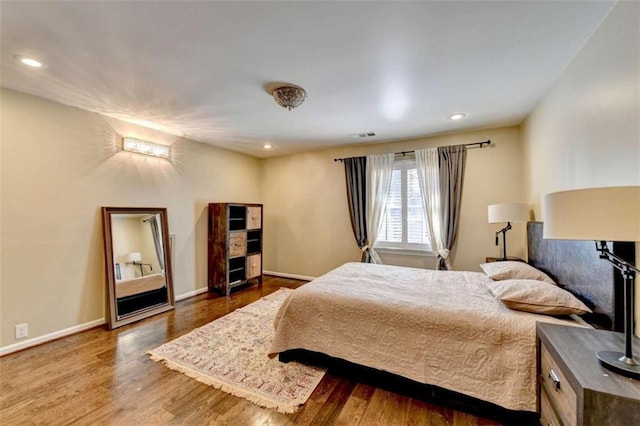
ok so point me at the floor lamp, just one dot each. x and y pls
(507, 212)
(602, 214)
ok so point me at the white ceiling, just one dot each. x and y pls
(203, 69)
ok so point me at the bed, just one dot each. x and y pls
(140, 293)
(444, 329)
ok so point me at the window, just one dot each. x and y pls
(404, 225)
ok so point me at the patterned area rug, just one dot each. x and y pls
(230, 354)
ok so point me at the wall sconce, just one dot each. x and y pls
(145, 147)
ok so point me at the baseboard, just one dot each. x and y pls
(15, 347)
(51, 336)
(191, 294)
(285, 275)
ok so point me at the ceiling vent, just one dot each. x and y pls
(362, 135)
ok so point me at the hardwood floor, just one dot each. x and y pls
(104, 377)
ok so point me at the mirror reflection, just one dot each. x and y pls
(138, 264)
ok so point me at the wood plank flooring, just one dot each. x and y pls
(102, 377)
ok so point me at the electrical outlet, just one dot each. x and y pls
(22, 331)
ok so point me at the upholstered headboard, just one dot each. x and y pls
(577, 267)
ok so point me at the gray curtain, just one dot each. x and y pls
(451, 171)
(157, 240)
(355, 171)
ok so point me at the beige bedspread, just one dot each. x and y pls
(139, 285)
(442, 328)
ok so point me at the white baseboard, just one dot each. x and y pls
(89, 325)
(285, 275)
(191, 294)
(75, 329)
(51, 336)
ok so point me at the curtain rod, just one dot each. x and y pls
(403, 153)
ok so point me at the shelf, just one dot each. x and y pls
(253, 249)
(234, 245)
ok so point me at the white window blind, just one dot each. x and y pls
(404, 225)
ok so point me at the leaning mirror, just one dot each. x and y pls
(138, 263)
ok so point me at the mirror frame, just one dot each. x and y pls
(113, 319)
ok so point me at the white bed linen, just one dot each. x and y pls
(139, 285)
(442, 328)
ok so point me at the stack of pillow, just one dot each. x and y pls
(522, 287)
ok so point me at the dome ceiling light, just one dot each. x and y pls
(289, 96)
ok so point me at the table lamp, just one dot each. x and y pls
(601, 214)
(134, 257)
(507, 212)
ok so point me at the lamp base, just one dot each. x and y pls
(618, 362)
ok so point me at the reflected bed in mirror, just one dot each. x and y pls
(138, 263)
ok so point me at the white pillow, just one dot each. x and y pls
(512, 270)
(538, 297)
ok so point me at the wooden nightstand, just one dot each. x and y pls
(573, 389)
(499, 259)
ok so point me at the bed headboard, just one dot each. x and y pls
(577, 267)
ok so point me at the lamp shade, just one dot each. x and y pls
(601, 214)
(508, 212)
(133, 257)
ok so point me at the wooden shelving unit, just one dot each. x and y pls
(234, 245)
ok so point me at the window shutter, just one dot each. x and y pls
(404, 225)
(416, 224)
(392, 225)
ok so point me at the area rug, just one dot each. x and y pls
(230, 354)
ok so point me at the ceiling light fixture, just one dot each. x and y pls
(145, 147)
(30, 62)
(457, 116)
(289, 96)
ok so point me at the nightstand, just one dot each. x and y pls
(573, 389)
(499, 259)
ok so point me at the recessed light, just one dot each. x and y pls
(30, 62)
(267, 146)
(457, 116)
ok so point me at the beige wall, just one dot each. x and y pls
(59, 166)
(307, 227)
(586, 131)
